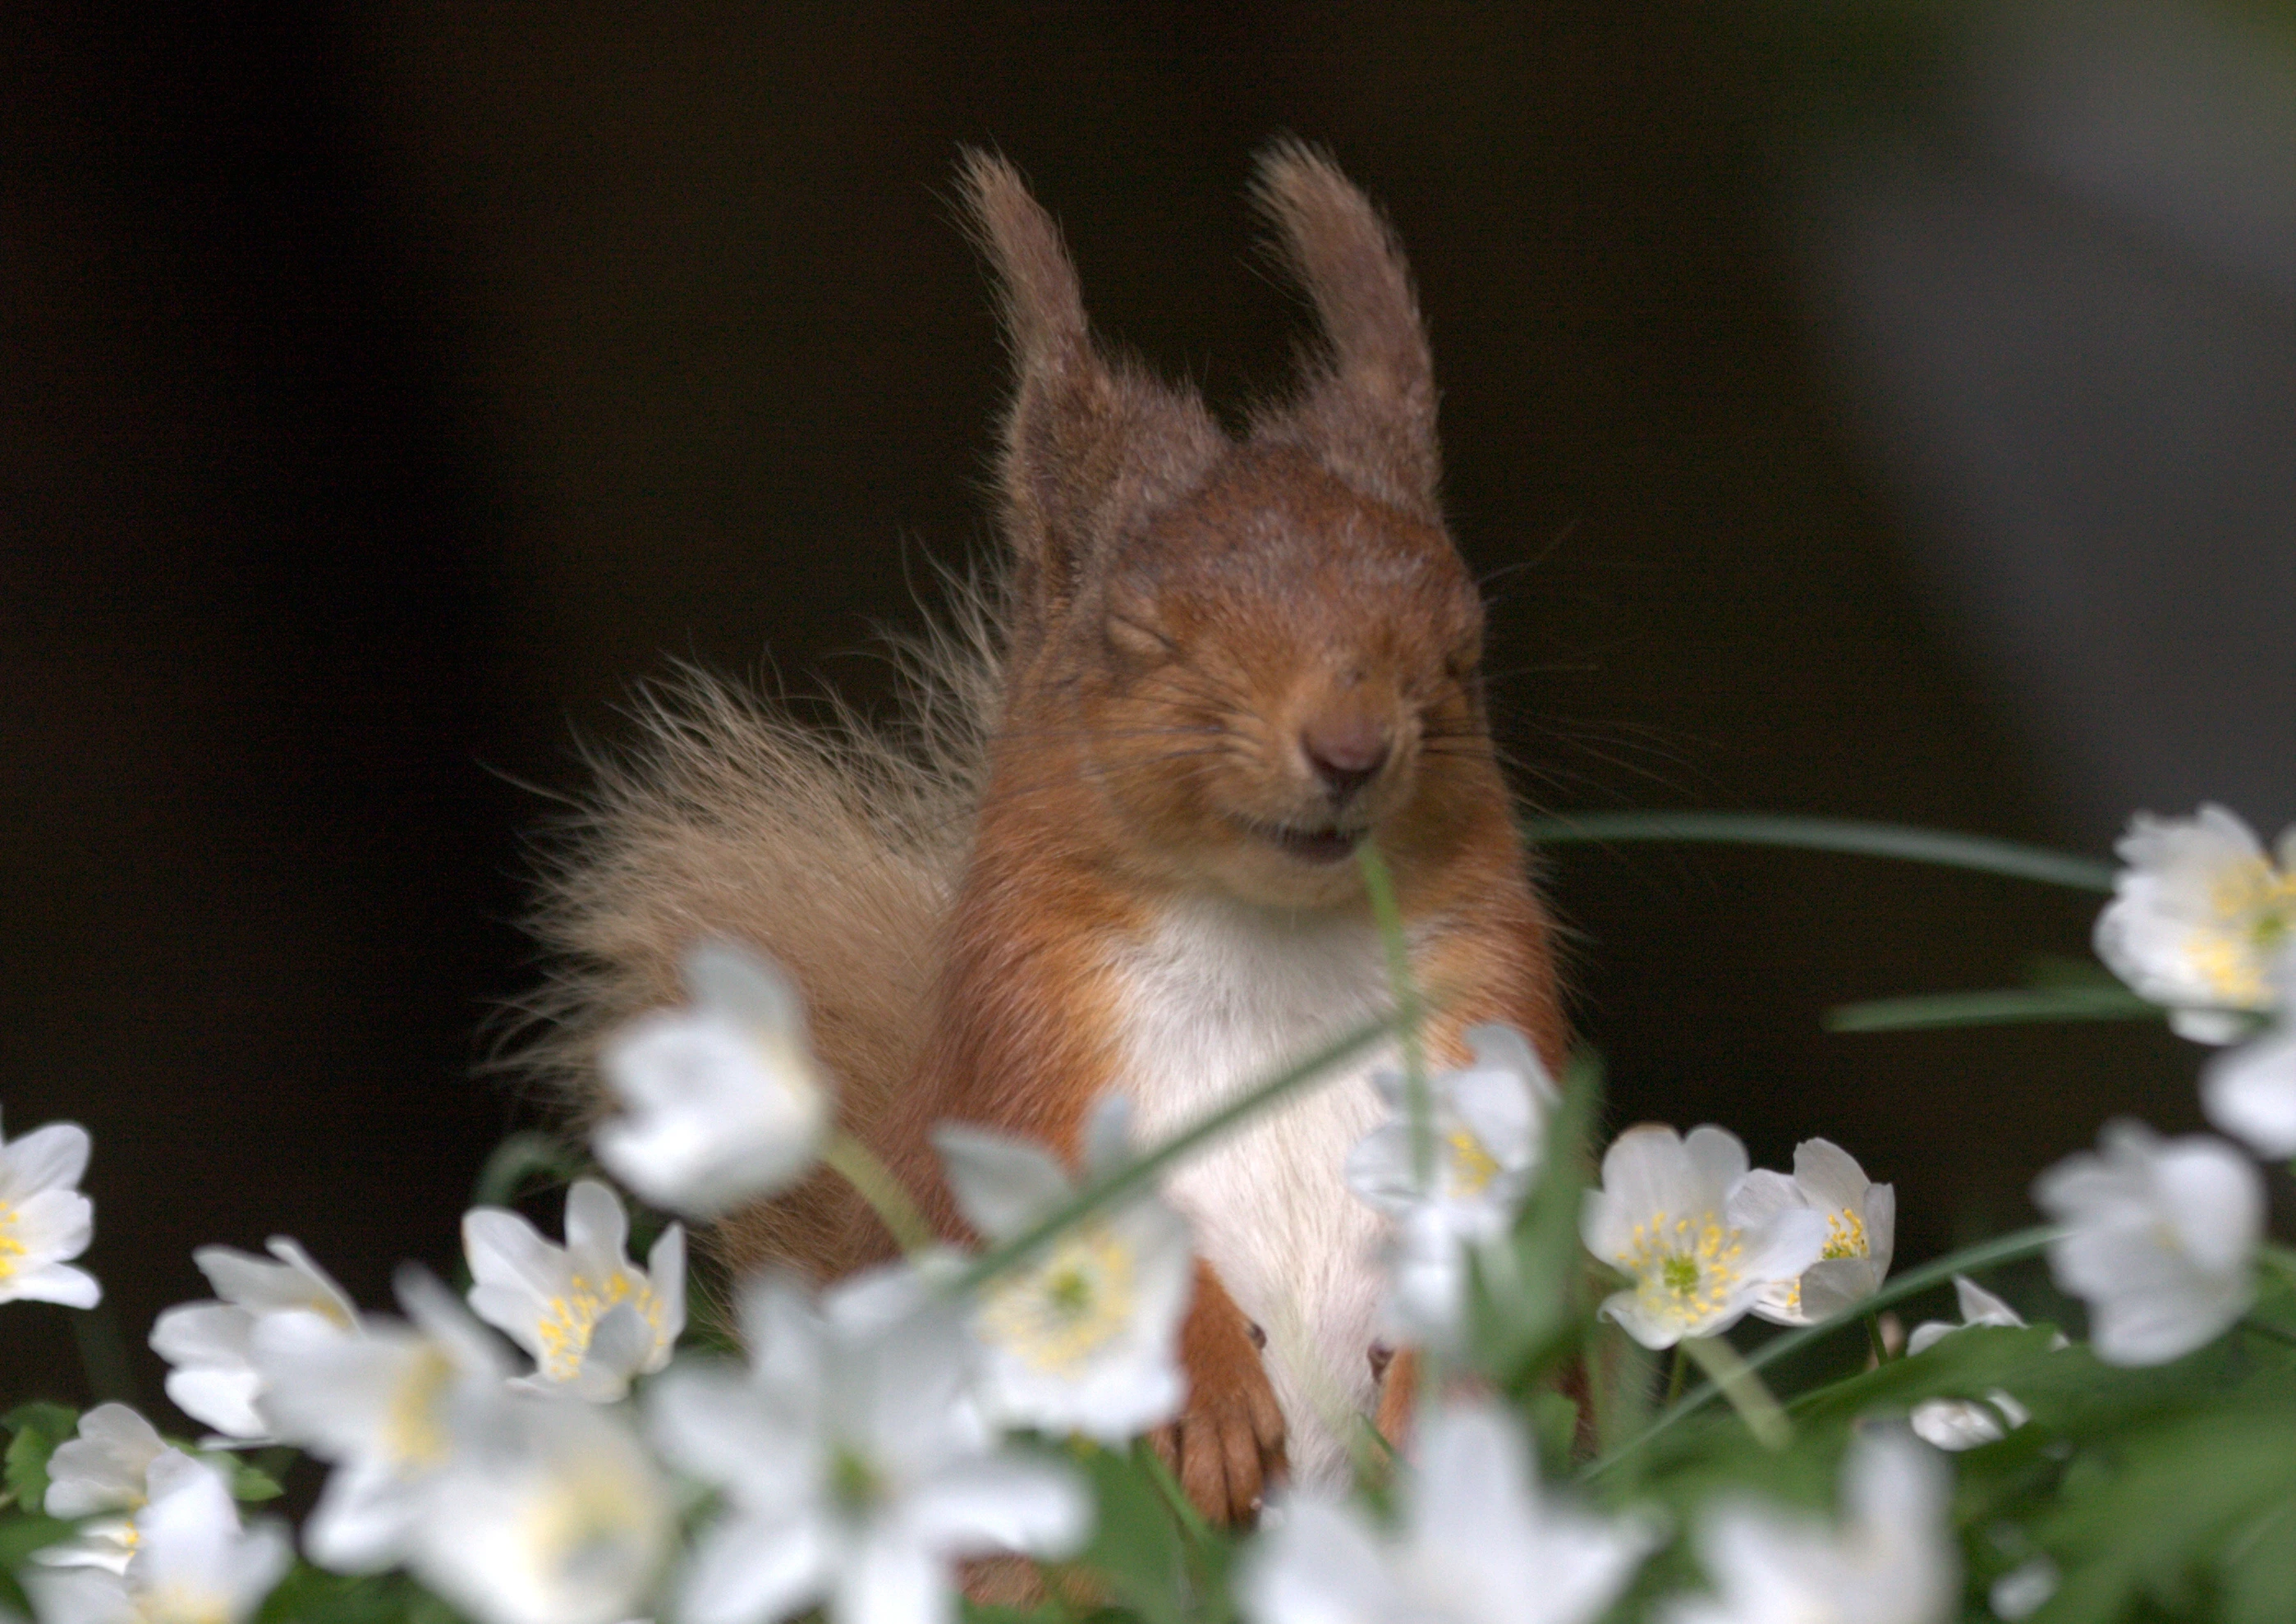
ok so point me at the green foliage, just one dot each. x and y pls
(34, 1431)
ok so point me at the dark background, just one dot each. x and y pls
(381, 395)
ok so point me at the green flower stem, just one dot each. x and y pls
(1389, 914)
(1677, 1368)
(1969, 1260)
(1141, 1170)
(873, 1182)
(1726, 1368)
(1876, 1341)
(1983, 853)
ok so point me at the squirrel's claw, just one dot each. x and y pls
(1226, 1448)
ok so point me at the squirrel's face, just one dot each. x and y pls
(1278, 669)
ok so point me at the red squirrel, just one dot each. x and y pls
(1111, 846)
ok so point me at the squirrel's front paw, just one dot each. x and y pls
(1228, 1446)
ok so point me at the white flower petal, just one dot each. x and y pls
(999, 1503)
(1319, 1564)
(891, 1580)
(1000, 1182)
(2250, 1092)
(745, 1570)
(58, 1283)
(102, 1469)
(50, 1158)
(594, 1219)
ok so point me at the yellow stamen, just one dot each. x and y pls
(413, 1431)
(10, 1248)
(1685, 1270)
(565, 1329)
(1056, 1315)
(1471, 1167)
(1845, 1237)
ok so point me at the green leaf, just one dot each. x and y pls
(37, 1429)
(2161, 1510)
(1135, 1543)
(2006, 1006)
(1983, 853)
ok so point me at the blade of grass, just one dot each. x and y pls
(1132, 1174)
(520, 1159)
(1983, 853)
(2004, 1006)
(1969, 1260)
(873, 1182)
(1389, 915)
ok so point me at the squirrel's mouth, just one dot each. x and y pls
(1326, 844)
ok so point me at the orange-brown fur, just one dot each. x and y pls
(1187, 615)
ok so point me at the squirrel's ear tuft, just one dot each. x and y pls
(1367, 410)
(1090, 448)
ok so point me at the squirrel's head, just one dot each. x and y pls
(1265, 648)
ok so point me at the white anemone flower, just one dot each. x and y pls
(854, 1471)
(1478, 1542)
(193, 1563)
(1890, 1559)
(550, 1512)
(723, 1100)
(45, 1221)
(1668, 1218)
(1964, 1424)
(99, 1479)
(210, 1345)
(1078, 1337)
(2197, 916)
(1487, 1124)
(591, 1319)
(1861, 1228)
(386, 1408)
(2250, 1092)
(2162, 1235)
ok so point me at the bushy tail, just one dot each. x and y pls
(833, 849)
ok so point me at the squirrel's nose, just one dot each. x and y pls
(1346, 751)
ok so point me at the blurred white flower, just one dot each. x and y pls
(2020, 1592)
(193, 1563)
(45, 1221)
(1979, 1306)
(2250, 1092)
(1861, 1228)
(2162, 1235)
(723, 1099)
(1478, 1543)
(590, 1319)
(1964, 1424)
(1487, 1120)
(1666, 1217)
(1081, 1337)
(854, 1468)
(1488, 1123)
(2196, 917)
(210, 1344)
(103, 1471)
(385, 1408)
(549, 1512)
(1890, 1559)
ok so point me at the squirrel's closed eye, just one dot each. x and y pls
(1135, 639)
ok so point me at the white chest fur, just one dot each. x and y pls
(1223, 995)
